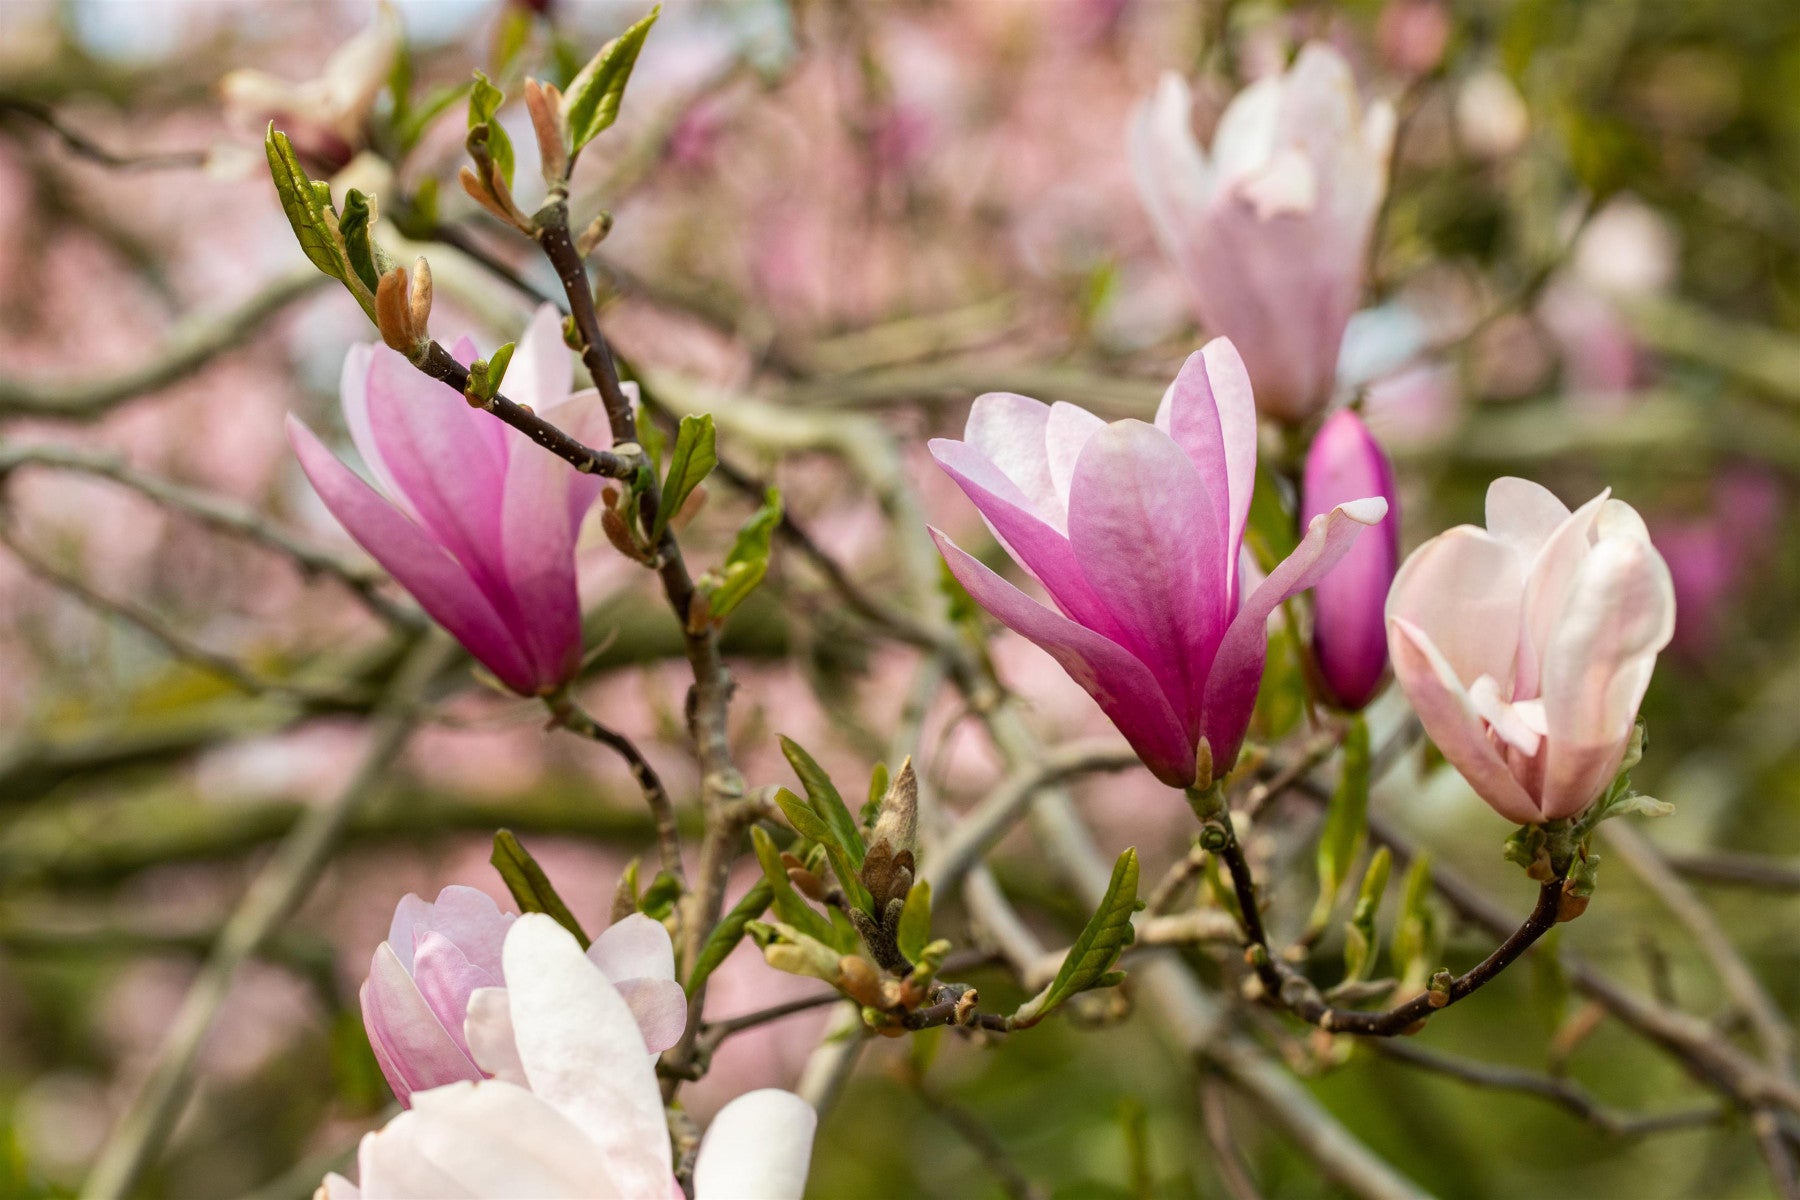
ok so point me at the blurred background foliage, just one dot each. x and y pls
(1588, 273)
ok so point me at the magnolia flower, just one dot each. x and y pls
(438, 955)
(1271, 231)
(473, 518)
(326, 118)
(575, 1111)
(1526, 647)
(1349, 632)
(1136, 531)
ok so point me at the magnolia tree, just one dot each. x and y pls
(1215, 559)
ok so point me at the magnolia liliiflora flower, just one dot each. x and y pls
(1271, 231)
(1136, 531)
(474, 519)
(1526, 647)
(1349, 631)
(326, 118)
(439, 954)
(573, 1111)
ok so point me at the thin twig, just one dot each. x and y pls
(191, 345)
(1216, 1118)
(1559, 1091)
(571, 716)
(80, 144)
(220, 514)
(271, 899)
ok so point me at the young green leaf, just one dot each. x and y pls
(1359, 934)
(878, 787)
(591, 103)
(1346, 820)
(728, 933)
(1090, 960)
(915, 922)
(694, 457)
(359, 213)
(484, 103)
(307, 205)
(529, 886)
(658, 900)
(788, 904)
(747, 562)
(823, 795)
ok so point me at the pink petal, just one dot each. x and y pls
(1349, 627)
(537, 547)
(758, 1145)
(406, 1032)
(1146, 532)
(446, 979)
(470, 918)
(1450, 720)
(1170, 171)
(1466, 590)
(1066, 433)
(1621, 612)
(1124, 687)
(1011, 432)
(636, 947)
(660, 1007)
(1523, 514)
(488, 1031)
(412, 916)
(1211, 413)
(542, 369)
(1237, 671)
(1040, 548)
(441, 585)
(1548, 578)
(584, 1054)
(583, 417)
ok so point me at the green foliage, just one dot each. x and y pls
(359, 214)
(1359, 934)
(824, 818)
(486, 374)
(791, 907)
(915, 922)
(728, 933)
(1090, 960)
(591, 101)
(658, 900)
(484, 104)
(307, 205)
(878, 787)
(1415, 942)
(1346, 821)
(693, 459)
(747, 562)
(530, 887)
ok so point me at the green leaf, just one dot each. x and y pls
(658, 900)
(807, 823)
(1346, 821)
(359, 211)
(1091, 958)
(484, 102)
(728, 933)
(307, 205)
(915, 922)
(510, 38)
(1359, 934)
(591, 101)
(1415, 941)
(747, 562)
(823, 795)
(788, 904)
(694, 457)
(878, 788)
(529, 886)
(410, 128)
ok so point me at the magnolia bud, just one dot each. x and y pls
(419, 296)
(1349, 624)
(544, 103)
(887, 869)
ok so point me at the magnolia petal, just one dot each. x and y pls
(1124, 687)
(1508, 725)
(660, 1007)
(446, 978)
(412, 917)
(1067, 431)
(1143, 526)
(1349, 628)
(1620, 614)
(1466, 589)
(1167, 165)
(1040, 548)
(758, 1146)
(336, 1187)
(1450, 720)
(542, 371)
(488, 1140)
(1237, 670)
(537, 558)
(1547, 582)
(1210, 411)
(584, 1054)
(441, 585)
(637, 947)
(488, 1031)
(470, 918)
(1010, 432)
(1245, 137)
(583, 417)
(411, 1039)
(1523, 514)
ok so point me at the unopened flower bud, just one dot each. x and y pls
(594, 234)
(888, 867)
(544, 103)
(418, 297)
(859, 980)
(394, 314)
(1349, 625)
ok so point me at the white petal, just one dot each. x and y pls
(635, 948)
(489, 1031)
(759, 1147)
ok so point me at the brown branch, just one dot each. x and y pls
(82, 145)
(569, 715)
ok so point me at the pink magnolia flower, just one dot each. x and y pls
(477, 522)
(1136, 531)
(574, 1110)
(326, 118)
(1526, 647)
(1349, 629)
(1272, 230)
(439, 955)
